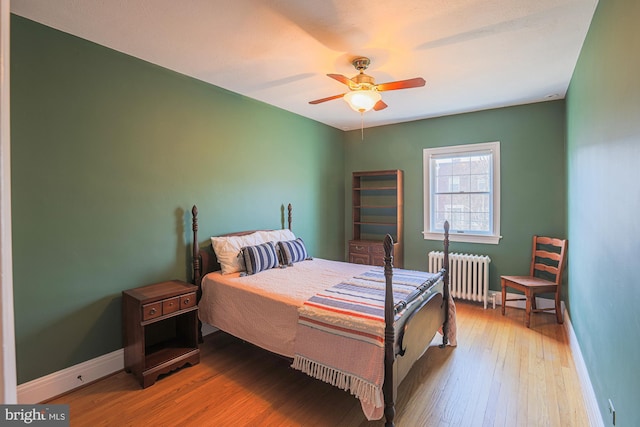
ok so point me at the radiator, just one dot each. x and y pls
(468, 275)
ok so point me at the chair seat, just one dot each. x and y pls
(547, 255)
(538, 285)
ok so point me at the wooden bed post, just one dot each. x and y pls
(388, 387)
(447, 291)
(197, 268)
(289, 210)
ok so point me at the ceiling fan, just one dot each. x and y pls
(363, 92)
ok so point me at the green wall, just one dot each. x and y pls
(603, 152)
(109, 153)
(532, 176)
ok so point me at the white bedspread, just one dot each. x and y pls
(263, 308)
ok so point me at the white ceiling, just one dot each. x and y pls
(474, 54)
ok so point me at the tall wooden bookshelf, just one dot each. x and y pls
(378, 203)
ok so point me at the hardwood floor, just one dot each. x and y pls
(500, 374)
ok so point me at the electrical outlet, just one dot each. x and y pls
(612, 411)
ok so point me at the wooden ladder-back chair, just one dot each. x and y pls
(545, 276)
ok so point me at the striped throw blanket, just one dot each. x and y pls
(340, 332)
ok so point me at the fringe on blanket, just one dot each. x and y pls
(363, 390)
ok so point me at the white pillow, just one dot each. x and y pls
(228, 248)
(277, 235)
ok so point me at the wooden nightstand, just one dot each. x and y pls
(160, 324)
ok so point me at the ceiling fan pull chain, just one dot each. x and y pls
(362, 126)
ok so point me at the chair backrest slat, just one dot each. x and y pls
(548, 248)
(544, 267)
(550, 241)
(548, 255)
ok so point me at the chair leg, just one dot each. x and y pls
(527, 313)
(504, 295)
(558, 309)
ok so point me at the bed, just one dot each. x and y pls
(297, 306)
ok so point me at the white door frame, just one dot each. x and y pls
(8, 391)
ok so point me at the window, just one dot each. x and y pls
(462, 186)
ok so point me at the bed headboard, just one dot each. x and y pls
(203, 258)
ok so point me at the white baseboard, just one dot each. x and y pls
(60, 382)
(589, 396)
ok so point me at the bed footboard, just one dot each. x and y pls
(428, 318)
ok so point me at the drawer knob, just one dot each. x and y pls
(359, 248)
(186, 300)
(152, 311)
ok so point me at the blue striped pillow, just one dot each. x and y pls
(260, 257)
(292, 251)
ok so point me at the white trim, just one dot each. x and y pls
(427, 154)
(57, 383)
(66, 380)
(589, 396)
(63, 381)
(7, 323)
(467, 238)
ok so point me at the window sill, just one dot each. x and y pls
(466, 238)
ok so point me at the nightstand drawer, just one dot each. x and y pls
(170, 305)
(377, 249)
(359, 258)
(356, 248)
(188, 300)
(151, 311)
(377, 260)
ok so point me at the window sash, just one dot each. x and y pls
(462, 217)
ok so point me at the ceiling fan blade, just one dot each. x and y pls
(380, 105)
(318, 101)
(342, 79)
(402, 84)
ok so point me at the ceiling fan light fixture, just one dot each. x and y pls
(362, 101)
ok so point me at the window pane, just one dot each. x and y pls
(439, 219)
(480, 164)
(443, 167)
(442, 202)
(464, 183)
(443, 184)
(479, 203)
(461, 165)
(479, 182)
(459, 221)
(480, 222)
(460, 203)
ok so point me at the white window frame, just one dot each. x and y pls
(456, 236)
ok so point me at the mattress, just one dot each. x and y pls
(263, 308)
